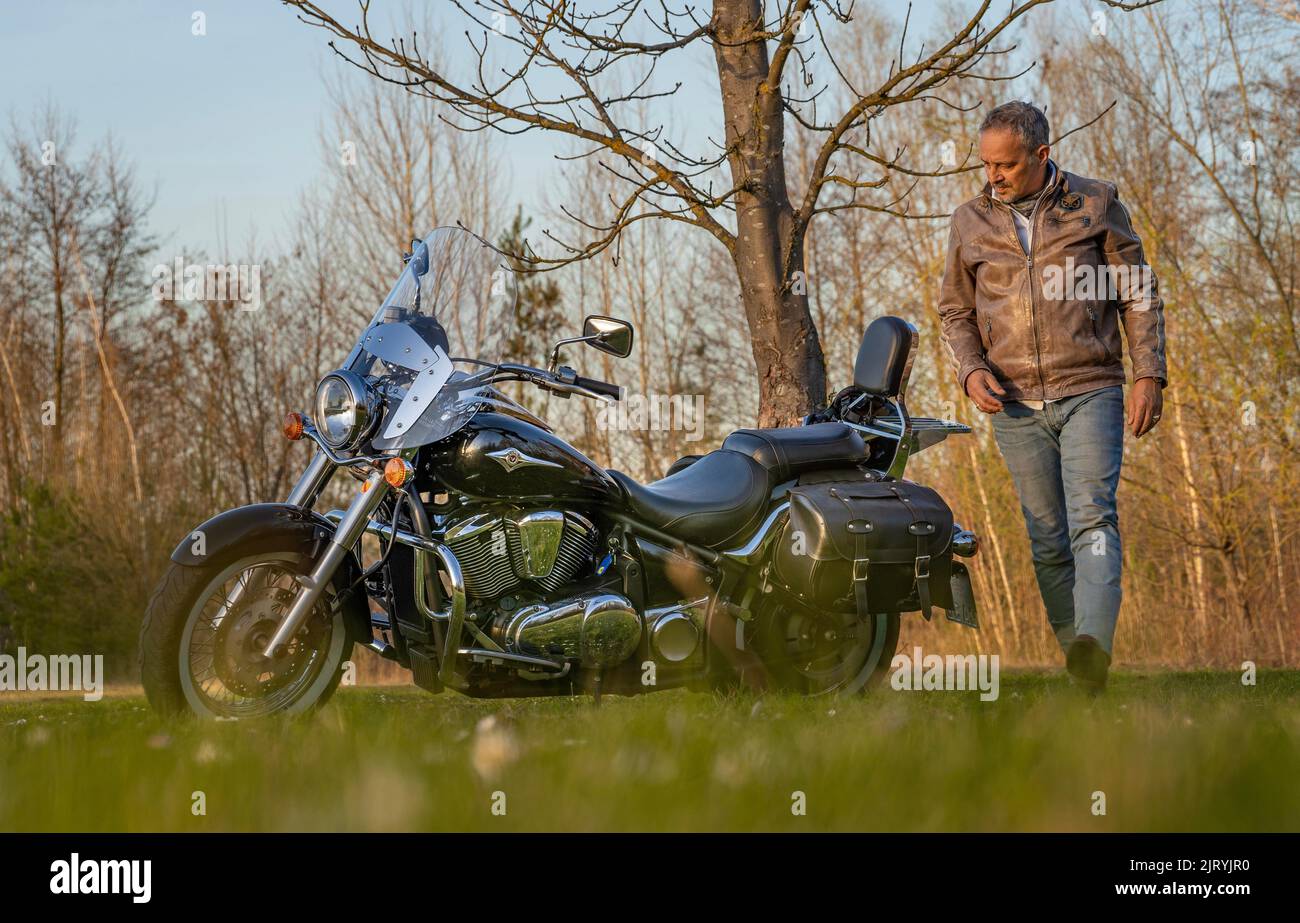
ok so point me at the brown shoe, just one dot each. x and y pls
(1088, 662)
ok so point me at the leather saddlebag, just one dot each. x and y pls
(870, 545)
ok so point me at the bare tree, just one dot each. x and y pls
(395, 172)
(53, 194)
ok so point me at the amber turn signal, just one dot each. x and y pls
(398, 471)
(292, 428)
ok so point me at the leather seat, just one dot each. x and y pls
(790, 451)
(718, 500)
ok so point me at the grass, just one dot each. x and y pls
(1171, 752)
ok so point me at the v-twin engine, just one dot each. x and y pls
(544, 551)
(499, 551)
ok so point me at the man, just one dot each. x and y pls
(1043, 269)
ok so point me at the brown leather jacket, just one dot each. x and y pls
(1047, 324)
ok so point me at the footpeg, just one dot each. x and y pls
(382, 648)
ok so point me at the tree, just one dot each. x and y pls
(51, 198)
(754, 212)
(538, 321)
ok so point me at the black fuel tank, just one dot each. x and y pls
(497, 456)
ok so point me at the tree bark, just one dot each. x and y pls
(768, 250)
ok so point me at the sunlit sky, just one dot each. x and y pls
(226, 126)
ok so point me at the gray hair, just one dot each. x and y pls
(1025, 120)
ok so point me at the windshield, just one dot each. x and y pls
(454, 303)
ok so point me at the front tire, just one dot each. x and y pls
(203, 623)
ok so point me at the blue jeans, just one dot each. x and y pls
(1064, 461)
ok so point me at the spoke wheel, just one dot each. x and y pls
(816, 652)
(206, 627)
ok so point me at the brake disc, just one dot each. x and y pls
(244, 633)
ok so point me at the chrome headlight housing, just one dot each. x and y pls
(346, 409)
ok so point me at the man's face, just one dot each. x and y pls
(1013, 171)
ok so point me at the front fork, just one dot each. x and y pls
(346, 534)
(312, 481)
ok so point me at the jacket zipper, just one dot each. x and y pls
(1033, 312)
(1029, 276)
(1092, 316)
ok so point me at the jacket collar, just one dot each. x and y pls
(1056, 183)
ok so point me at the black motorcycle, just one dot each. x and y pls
(509, 564)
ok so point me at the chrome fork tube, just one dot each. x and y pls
(346, 534)
(310, 484)
(312, 481)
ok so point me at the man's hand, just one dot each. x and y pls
(1146, 403)
(981, 387)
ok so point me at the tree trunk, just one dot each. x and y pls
(60, 348)
(768, 250)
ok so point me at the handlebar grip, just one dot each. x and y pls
(600, 387)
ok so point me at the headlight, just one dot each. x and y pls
(345, 409)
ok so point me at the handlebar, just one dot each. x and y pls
(564, 383)
(600, 387)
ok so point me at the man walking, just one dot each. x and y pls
(1043, 269)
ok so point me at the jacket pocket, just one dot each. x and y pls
(1107, 355)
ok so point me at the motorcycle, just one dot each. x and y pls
(510, 564)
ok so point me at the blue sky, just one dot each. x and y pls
(226, 125)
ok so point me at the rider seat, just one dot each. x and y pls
(790, 451)
(719, 499)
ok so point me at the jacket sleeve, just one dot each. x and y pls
(960, 329)
(1140, 307)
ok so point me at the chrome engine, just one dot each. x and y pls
(499, 551)
(543, 551)
(599, 629)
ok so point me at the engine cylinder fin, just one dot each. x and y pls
(574, 555)
(485, 554)
(491, 553)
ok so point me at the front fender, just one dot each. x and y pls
(267, 527)
(254, 529)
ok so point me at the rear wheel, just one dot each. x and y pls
(815, 652)
(206, 626)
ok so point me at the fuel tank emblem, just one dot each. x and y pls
(511, 459)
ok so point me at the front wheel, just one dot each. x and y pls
(814, 652)
(206, 625)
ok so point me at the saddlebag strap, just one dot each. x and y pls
(861, 566)
(859, 529)
(923, 579)
(922, 529)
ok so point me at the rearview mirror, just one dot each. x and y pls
(608, 334)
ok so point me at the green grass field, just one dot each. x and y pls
(1171, 752)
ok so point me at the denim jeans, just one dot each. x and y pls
(1064, 461)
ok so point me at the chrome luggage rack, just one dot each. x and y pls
(911, 433)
